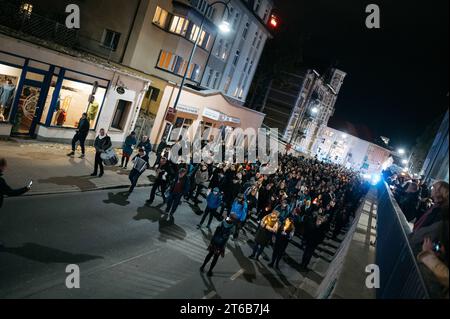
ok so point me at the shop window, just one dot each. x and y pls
(121, 115)
(160, 17)
(72, 102)
(181, 127)
(111, 39)
(9, 78)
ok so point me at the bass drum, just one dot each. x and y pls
(109, 158)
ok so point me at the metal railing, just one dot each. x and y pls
(30, 26)
(400, 276)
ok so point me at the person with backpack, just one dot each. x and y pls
(214, 200)
(140, 165)
(218, 244)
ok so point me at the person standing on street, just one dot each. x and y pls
(240, 210)
(146, 145)
(140, 165)
(164, 173)
(102, 144)
(127, 149)
(179, 188)
(201, 179)
(218, 244)
(214, 200)
(80, 136)
(284, 234)
(159, 152)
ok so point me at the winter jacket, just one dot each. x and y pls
(84, 126)
(8, 191)
(127, 147)
(147, 146)
(240, 210)
(186, 184)
(102, 145)
(201, 177)
(214, 201)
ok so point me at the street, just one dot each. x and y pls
(125, 250)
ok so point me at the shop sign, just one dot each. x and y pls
(214, 115)
(226, 118)
(120, 90)
(171, 115)
(187, 109)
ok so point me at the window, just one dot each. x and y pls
(244, 34)
(210, 75)
(195, 31)
(255, 38)
(227, 84)
(179, 25)
(216, 81)
(259, 42)
(111, 39)
(266, 14)
(250, 68)
(236, 20)
(225, 51)
(72, 102)
(121, 115)
(203, 40)
(257, 5)
(178, 63)
(181, 127)
(219, 47)
(246, 65)
(9, 78)
(166, 60)
(160, 17)
(152, 94)
(236, 58)
(195, 71)
(26, 9)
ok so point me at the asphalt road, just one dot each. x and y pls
(126, 250)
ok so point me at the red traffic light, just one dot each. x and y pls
(273, 21)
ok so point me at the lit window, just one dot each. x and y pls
(194, 33)
(26, 8)
(160, 17)
(179, 25)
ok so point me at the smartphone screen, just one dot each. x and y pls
(30, 184)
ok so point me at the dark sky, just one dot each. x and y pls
(397, 80)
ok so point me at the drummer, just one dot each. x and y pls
(102, 144)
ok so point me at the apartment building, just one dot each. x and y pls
(155, 38)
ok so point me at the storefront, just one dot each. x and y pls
(198, 111)
(43, 94)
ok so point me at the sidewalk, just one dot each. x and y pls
(53, 172)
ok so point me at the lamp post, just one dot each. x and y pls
(224, 27)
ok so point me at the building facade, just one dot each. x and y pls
(350, 151)
(154, 39)
(436, 164)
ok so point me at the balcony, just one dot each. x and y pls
(31, 27)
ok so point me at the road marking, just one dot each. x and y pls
(237, 275)
(131, 259)
(210, 295)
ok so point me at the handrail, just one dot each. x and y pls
(400, 276)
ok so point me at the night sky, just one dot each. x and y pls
(397, 80)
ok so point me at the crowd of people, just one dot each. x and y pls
(427, 209)
(303, 197)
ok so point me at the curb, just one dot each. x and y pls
(84, 191)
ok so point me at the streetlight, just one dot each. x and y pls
(401, 151)
(315, 110)
(224, 27)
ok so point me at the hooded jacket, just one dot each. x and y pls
(240, 210)
(214, 201)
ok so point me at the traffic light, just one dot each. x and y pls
(274, 22)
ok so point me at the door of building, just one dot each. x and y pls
(28, 107)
